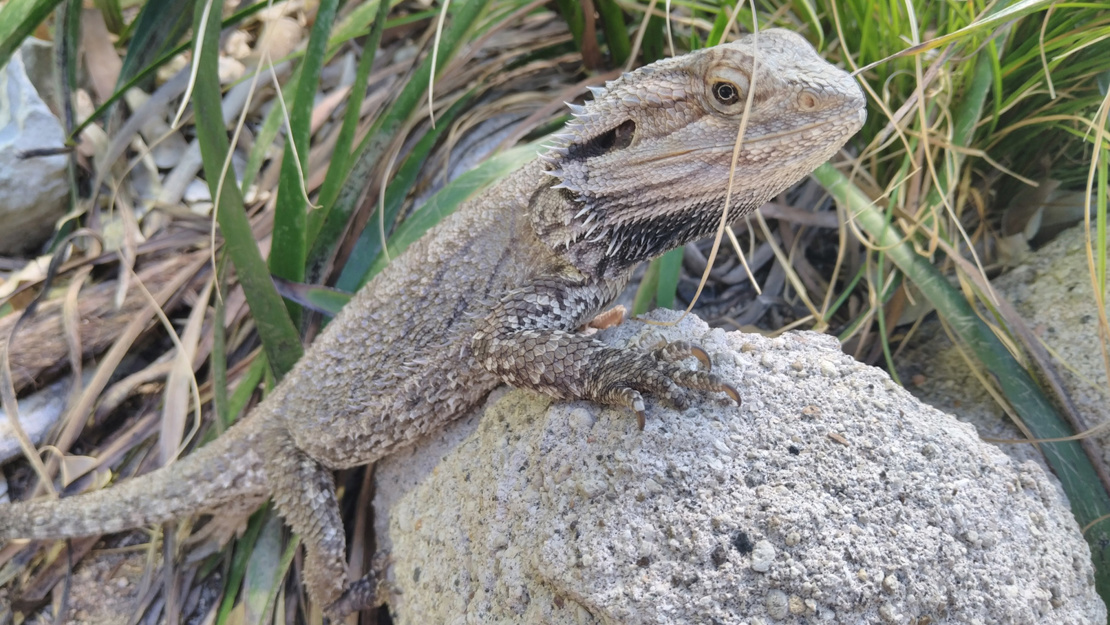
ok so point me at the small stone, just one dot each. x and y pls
(890, 614)
(828, 369)
(891, 584)
(797, 605)
(777, 604)
(762, 556)
(580, 419)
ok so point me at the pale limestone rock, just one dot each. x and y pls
(876, 508)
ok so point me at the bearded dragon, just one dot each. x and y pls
(496, 292)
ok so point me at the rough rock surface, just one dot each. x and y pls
(1052, 293)
(831, 496)
(33, 191)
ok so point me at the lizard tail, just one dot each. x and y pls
(226, 472)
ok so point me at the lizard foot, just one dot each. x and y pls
(622, 377)
(369, 591)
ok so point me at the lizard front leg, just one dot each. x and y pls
(527, 340)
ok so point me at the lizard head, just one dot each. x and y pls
(644, 166)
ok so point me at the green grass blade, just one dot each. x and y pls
(218, 358)
(290, 219)
(340, 163)
(158, 29)
(263, 139)
(571, 12)
(1100, 223)
(149, 70)
(370, 151)
(670, 265)
(243, 549)
(720, 23)
(645, 293)
(366, 15)
(263, 570)
(113, 15)
(1081, 483)
(282, 570)
(321, 299)
(248, 384)
(368, 246)
(616, 31)
(18, 19)
(279, 335)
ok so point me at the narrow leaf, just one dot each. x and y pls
(369, 241)
(278, 334)
(18, 19)
(370, 151)
(290, 219)
(670, 265)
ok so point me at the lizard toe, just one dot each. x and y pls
(680, 350)
(705, 381)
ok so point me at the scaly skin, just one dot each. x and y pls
(496, 293)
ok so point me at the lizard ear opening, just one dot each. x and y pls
(616, 139)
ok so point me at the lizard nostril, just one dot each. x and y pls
(807, 101)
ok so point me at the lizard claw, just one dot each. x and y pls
(731, 391)
(641, 419)
(701, 355)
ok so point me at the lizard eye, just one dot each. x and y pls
(726, 93)
(727, 90)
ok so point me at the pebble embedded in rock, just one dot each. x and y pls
(778, 604)
(762, 556)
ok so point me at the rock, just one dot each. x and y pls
(34, 191)
(1052, 293)
(862, 504)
